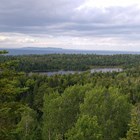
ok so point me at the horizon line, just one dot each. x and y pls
(68, 49)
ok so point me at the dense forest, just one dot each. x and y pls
(77, 62)
(80, 106)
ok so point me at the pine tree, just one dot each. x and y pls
(134, 130)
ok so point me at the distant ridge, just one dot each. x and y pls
(51, 50)
(40, 48)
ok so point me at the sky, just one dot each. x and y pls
(71, 24)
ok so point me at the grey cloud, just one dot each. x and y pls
(60, 17)
(30, 12)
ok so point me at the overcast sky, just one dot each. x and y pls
(73, 24)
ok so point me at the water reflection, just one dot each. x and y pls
(103, 70)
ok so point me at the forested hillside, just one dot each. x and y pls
(97, 106)
(78, 62)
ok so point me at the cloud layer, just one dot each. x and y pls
(70, 23)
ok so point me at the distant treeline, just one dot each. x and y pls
(77, 62)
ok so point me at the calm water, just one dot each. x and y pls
(62, 51)
(103, 70)
(106, 70)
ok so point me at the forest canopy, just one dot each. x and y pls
(79, 106)
(76, 62)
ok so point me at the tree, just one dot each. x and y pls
(112, 110)
(3, 52)
(10, 107)
(51, 115)
(61, 112)
(26, 126)
(134, 131)
(86, 128)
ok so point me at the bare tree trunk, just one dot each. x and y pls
(49, 135)
(26, 129)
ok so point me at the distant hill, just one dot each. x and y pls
(49, 50)
(40, 48)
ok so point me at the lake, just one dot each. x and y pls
(104, 70)
(95, 70)
(32, 51)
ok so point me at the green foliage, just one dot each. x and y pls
(62, 110)
(25, 128)
(76, 106)
(81, 62)
(51, 115)
(11, 116)
(3, 52)
(134, 131)
(86, 127)
(111, 108)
